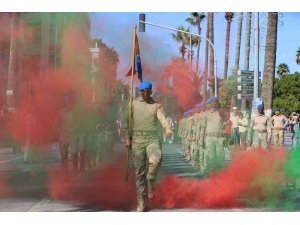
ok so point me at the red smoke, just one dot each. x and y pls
(180, 81)
(5, 191)
(104, 188)
(256, 173)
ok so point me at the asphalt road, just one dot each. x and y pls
(26, 185)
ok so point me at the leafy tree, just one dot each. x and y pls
(287, 93)
(195, 20)
(298, 56)
(283, 69)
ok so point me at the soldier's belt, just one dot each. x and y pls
(213, 135)
(144, 133)
(261, 131)
(277, 128)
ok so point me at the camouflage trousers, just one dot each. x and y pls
(194, 153)
(215, 152)
(260, 139)
(187, 148)
(146, 154)
(202, 158)
(278, 137)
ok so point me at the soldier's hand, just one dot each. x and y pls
(168, 133)
(128, 143)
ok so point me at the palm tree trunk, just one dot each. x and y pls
(198, 49)
(238, 44)
(206, 58)
(227, 49)
(237, 51)
(247, 44)
(12, 62)
(270, 62)
(211, 55)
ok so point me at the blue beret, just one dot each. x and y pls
(145, 85)
(277, 109)
(260, 106)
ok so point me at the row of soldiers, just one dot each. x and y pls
(201, 132)
(87, 148)
(202, 138)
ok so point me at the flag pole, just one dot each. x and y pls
(130, 103)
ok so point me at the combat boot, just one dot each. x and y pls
(141, 206)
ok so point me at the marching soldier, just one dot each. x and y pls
(261, 126)
(278, 123)
(213, 126)
(202, 163)
(144, 138)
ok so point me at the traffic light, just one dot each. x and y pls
(142, 17)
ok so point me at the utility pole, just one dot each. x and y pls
(256, 100)
(256, 45)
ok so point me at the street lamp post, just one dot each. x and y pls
(142, 23)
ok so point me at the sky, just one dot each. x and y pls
(158, 47)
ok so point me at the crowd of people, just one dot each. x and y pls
(208, 132)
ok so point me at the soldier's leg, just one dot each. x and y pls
(276, 137)
(220, 154)
(139, 161)
(264, 141)
(64, 152)
(153, 151)
(74, 150)
(188, 153)
(195, 155)
(280, 137)
(211, 153)
(255, 139)
(201, 159)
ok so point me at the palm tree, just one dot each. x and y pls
(283, 69)
(270, 62)
(228, 16)
(12, 61)
(211, 55)
(238, 43)
(183, 39)
(247, 44)
(195, 20)
(298, 56)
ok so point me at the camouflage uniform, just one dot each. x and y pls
(261, 126)
(202, 163)
(213, 140)
(278, 123)
(146, 144)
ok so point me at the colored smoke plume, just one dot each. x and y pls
(105, 188)
(257, 174)
(5, 191)
(180, 81)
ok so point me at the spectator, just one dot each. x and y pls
(235, 128)
(243, 124)
(227, 132)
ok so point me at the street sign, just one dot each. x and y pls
(246, 88)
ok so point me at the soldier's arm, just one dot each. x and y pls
(250, 130)
(126, 123)
(162, 118)
(286, 121)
